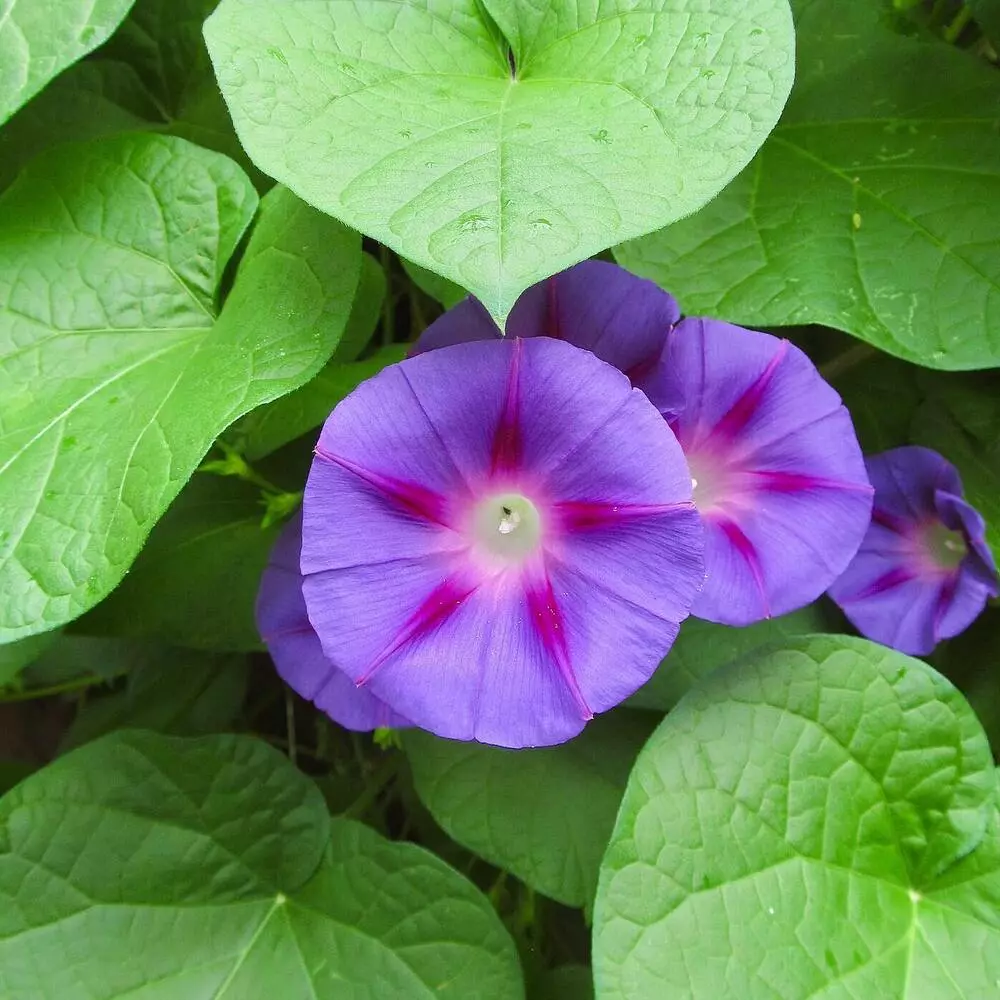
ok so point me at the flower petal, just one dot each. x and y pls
(468, 321)
(596, 305)
(792, 547)
(748, 389)
(784, 490)
(581, 418)
(893, 608)
(601, 307)
(958, 515)
(485, 673)
(480, 671)
(734, 577)
(295, 647)
(966, 599)
(905, 480)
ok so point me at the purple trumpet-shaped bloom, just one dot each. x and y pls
(780, 479)
(778, 474)
(296, 650)
(499, 540)
(924, 571)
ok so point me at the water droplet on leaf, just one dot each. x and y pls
(472, 222)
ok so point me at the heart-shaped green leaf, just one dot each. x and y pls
(817, 822)
(874, 206)
(407, 121)
(116, 372)
(544, 815)
(40, 38)
(147, 866)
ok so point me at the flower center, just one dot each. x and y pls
(946, 548)
(507, 526)
(710, 481)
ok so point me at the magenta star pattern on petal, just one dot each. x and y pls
(924, 571)
(295, 648)
(776, 467)
(488, 546)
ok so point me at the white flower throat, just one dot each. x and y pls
(507, 526)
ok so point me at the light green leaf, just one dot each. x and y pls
(874, 207)
(268, 428)
(406, 122)
(116, 371)
(195, 581)
(173, 691)
(702, 647)
(90, 100)
(819, 821)
(40, 38)
(208, 869)
(544, 815)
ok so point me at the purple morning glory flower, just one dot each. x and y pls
(295, 648)
(924, 571)
(780, 479)
(778, 474)
(499, 540)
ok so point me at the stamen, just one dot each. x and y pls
(945, 549)
(509, 522)
(507, 528)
